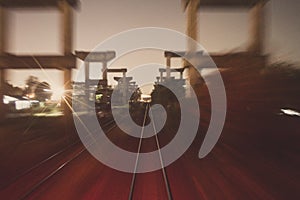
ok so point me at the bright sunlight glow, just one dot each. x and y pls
(58, 93)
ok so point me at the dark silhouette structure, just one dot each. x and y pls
(64, 61)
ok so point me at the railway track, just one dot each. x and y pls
(231, 171)
(44, 170)
(136, 176)
(43, 174)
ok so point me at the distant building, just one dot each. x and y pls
(19, 103)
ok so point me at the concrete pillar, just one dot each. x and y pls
(87, 78)
(3, 29)
(125, 89)
(168, 70)
(67, 27)
(68, 87)
(86, 72)
(192, 23)
(3, 48)
(2, 92)
(192, 32)
(104, 70)
(67, 48)
(257, 29)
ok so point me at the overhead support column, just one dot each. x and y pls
(3, 48)
(67, 27)
(125, 87)
(68, 90)
(3, 29)
(86, 80)
(98, 57)
(168, 70)
(257, 28)
(192, 22)
(104, 70)
(67, 46)
(157, 79)
(192, 31)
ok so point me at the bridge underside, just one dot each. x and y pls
(241, 60)
(225, 4)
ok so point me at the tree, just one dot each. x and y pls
(31, 84)
(9, 89)
(136, 96)
(43, 91)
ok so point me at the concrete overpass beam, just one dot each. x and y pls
(3, 48)
(257, 28)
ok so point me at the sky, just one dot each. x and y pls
(37, 32)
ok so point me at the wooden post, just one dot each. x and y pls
(67, 47)
(3, 48)
(257, 26)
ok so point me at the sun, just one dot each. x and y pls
(58, 93)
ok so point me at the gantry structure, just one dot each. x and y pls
(254, 55)
(103, 58)
(64, 61)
